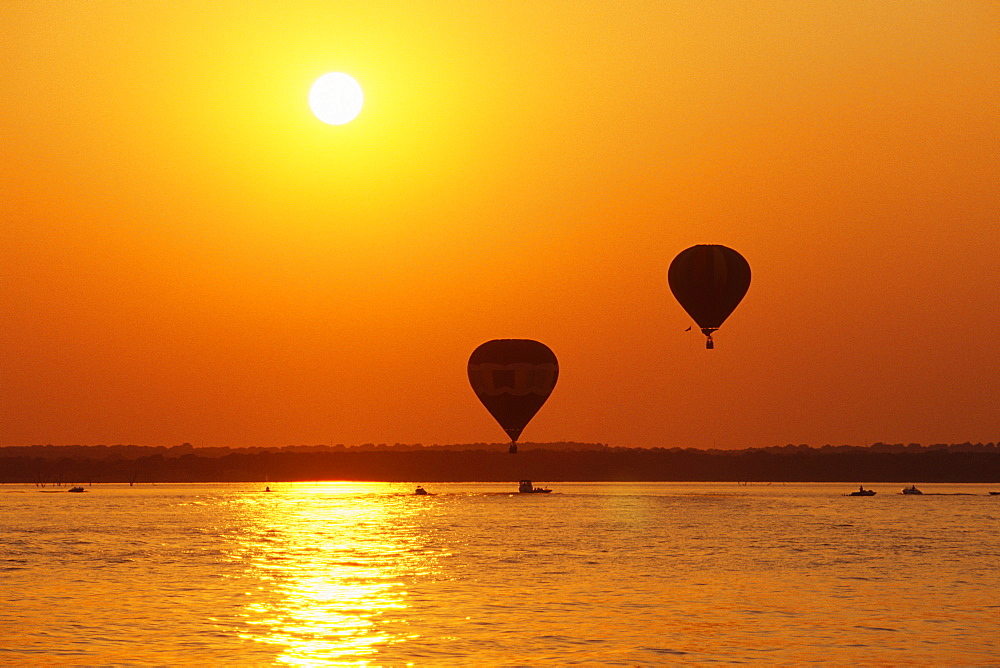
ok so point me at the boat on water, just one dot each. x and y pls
(863, 492)
(912, 489)
(76, 490)
(525, 487)
(994, 493)
(420, 491)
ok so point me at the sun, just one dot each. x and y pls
(336, 98)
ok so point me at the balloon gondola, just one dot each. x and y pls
(709, 281)
(513, 378)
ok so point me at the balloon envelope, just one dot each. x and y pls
(513, 378)
(709, 281)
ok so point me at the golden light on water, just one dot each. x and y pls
(320, 620)
(596, 573)
(334, 562)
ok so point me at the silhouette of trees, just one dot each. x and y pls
(66, 465)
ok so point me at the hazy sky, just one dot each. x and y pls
(188, 254)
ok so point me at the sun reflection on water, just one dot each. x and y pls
(332, 562)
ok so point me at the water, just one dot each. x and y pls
(594, 573)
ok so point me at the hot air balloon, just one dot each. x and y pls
(709, 281)
(513, 378)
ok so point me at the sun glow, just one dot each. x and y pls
(336, 98)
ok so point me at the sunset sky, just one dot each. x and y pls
(187, 254)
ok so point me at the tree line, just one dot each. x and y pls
(48, 465)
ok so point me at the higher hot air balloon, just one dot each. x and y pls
(513, 378)
(709, 281)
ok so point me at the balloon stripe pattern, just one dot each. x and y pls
(518, 379)
(709, 281)
(513, 378)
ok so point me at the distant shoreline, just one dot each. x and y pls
(560, 462)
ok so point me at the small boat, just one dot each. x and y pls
(420, 491)
(76, 490)
(525, 487)
(912, 489)
(994, 493)
(863, 492)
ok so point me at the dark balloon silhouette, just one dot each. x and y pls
(513, 378)
(709, 281)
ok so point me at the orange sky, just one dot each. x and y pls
(189, 255)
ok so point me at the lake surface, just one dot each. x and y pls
(594, 573)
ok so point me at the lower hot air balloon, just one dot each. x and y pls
(513, 378)
(709, 281)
